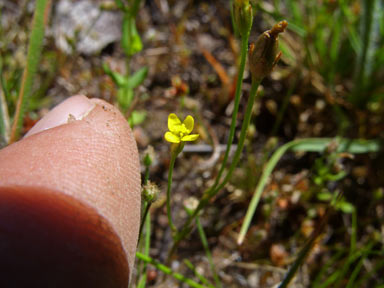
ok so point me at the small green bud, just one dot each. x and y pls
(243, 16)
(149, 156)
(264, 53)
(149, 192)
(147, 160)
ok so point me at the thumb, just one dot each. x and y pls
(70, 200)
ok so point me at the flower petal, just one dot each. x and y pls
(170, 137)
(191, 137)
(174, 123)
(189, 122)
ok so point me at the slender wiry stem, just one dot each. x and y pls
(145, 214)
(146, 205)
(204, 241)
(243, 55)
(40, 19)
(174, 153)
(168, 271)
(243, 134)
(147, 244)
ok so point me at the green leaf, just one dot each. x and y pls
(346, 207)
(136, 118)
(354, 146)
(318, 180)
(131, 41)
(117, 78)
(167, 270)
(336, 177)
(124, 98)
(324, 196)
(137, 78)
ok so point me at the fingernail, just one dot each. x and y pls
(74, 108)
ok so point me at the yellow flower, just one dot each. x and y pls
(180, 132)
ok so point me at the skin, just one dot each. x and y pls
(70, 200)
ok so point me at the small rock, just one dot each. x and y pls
(84, 24)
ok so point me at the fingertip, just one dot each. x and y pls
(74, 108)
(92, 158)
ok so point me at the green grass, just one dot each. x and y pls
(40, 20)
(341, 40)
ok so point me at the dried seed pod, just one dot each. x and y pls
(264, 53)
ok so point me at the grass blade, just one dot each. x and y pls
(204, 241)
(147, 244)
(40, 19)
(306, 145)
(370, 31)
(4, 117)
(318, 282)
(197, 274)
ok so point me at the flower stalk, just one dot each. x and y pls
(179, 132)
(169, 187)
(243, 18)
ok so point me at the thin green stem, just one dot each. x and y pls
(146, 210)
(204, 241)
(146, 175)
(145, 205)
(353, 232)
(232, 130)
(145, 219)
(147, 244)
(355, 272)
(365, 57)
(369, 274)
(128, 57)
(197, 274)
(168, 271)
(243, 134)
(171, 166)
(239, 150)
(336, 256)
(40, 19)
(4, 116)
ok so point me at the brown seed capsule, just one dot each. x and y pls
(264, 54)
